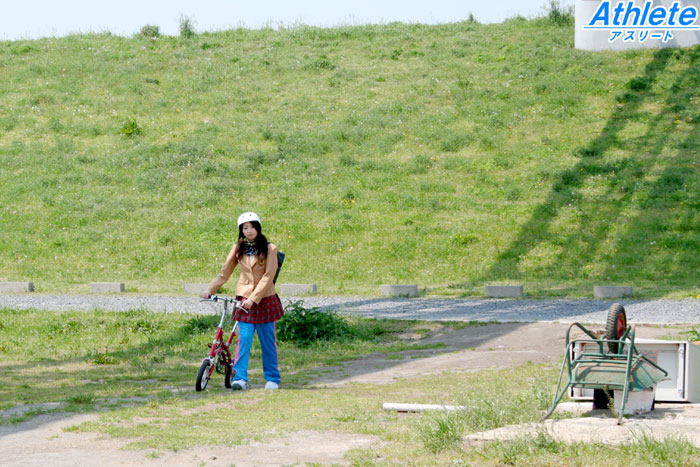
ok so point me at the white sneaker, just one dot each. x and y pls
(239, 385)
(271, 385)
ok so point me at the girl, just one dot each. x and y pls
(257, 259)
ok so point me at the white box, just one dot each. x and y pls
(681, 359)
(637, 401)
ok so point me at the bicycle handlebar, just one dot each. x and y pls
(217, 298)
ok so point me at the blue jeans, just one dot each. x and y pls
(268, 344)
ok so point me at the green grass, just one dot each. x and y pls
(448, 156)
(135, 354)
(543, 450)
(144, 394)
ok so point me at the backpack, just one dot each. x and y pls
(280, 260)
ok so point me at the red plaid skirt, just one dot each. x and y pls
(269, 309)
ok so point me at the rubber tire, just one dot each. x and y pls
(228, 377)
(203, 376)
(615, 325)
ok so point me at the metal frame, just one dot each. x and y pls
(623, 370)
(219, 353)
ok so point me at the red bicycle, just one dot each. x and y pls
(219, 357)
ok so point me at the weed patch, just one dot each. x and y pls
(307, 326)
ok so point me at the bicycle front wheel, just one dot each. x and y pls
(203, 376)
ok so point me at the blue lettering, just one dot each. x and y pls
(614, 35)
(674, 9)
(601, 14)
(631, 10)
(657, 16)
(688, 16)
(618, 11)
(626, 14)
(647, 5)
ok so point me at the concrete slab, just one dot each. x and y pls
(503, 291)
(600, 426)
(297, 289)
(107, 287)
(607, 291)
(389, 290)
(16, 287)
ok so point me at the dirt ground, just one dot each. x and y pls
(42, 441)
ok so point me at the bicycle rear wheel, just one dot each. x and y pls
(203, 375)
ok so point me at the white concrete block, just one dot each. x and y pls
(16, 287)
(194, 287)
(297, 289)
(504, 291)
(389, 290)
(606, 291)
(106, 287)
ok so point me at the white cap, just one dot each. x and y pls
(248, 217)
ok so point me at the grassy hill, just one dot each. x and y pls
(449, 156)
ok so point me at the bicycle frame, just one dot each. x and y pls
(219, 356)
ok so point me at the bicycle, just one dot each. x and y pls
(219, 357)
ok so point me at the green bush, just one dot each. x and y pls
(150, 30)
(322, 63)
(441, 431)
(130, 128)
(560, 15)
(305, 326)
(186, 27)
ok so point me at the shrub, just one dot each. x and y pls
(305, 326)
(695, 334)
(441, 431)
(558, 14)
(130, 128)
(186, 27)
(521, 451)
(640, 84)
(150, 30)
(86, 398)
(322, 63)
(21, 49)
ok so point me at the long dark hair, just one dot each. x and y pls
(260, 241)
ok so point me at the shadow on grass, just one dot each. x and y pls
(139, 382)
(90, 380)
(630, 203)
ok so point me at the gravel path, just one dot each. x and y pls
(531, 310)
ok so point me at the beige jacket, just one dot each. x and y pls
(255, 281)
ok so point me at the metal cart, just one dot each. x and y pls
(613, 364)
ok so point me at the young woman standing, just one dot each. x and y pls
(257, 259)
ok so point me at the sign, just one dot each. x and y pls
(636, 24)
